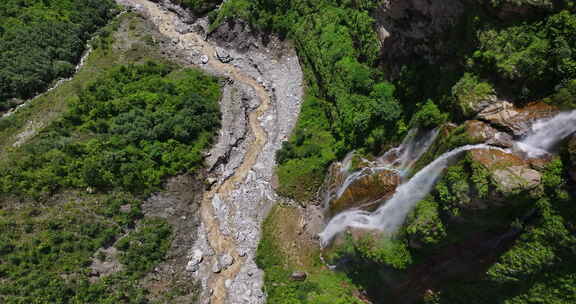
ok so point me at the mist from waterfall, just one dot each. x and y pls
(390, 216)
(547, 132)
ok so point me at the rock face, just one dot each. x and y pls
(366, 191)
(408, 26)
(483, 132)
(516, 120)
(509, 172)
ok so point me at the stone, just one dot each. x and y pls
(298, 276)
(518, 121)
(516, 178)
(125, 208)
(223, 55)
(508, 171)
(204, 59)
(226, 261)
(482, 132)
(216, 267)
(193, 264)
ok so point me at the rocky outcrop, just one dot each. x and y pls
(406, 27)
(506, 116)
(479, 131)
(509, 172)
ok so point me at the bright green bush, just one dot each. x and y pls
(429, 116)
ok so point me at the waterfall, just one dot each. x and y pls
(409, 152)
(391, 215)
(399, 159)
(547, 132)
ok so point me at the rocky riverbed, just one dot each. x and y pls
(260, 105)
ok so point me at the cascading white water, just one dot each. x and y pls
(545, 133)
(403, 157)
(409, 152)
(391, 215)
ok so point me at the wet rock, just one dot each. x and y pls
(223, 55)
(505, 115)
(483, 133)
(367, 190)
(298, 276)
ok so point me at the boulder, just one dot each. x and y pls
(508, 171)
(368, 189)
(223, 55)
(516, 178)
(226, 261)
(194, 263)
(204, 59)
(298, 276)
(483, 132)
(505, 115)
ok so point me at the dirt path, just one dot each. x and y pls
(217, 240)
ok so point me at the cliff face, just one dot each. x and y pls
(409, 28)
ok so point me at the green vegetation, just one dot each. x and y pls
(322, 286)
(41, 41)
(128, 130)
(145, 247)
(50, 248)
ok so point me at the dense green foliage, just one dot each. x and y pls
(41, 41)
(128, 130)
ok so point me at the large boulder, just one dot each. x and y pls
(483, 132)
(509, 172)
(505, 115)
(366, 191)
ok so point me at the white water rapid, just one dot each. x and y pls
(546, 133)
(391, 215)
